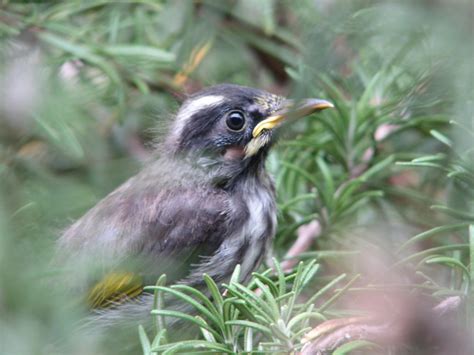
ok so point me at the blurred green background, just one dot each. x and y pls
(87, 87)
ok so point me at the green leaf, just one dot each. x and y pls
(235, 275)
(422, 164)
(430, 251)
(82, 52)
(300, 172)
(426, 158)
(241, 305)
(251, 300)
(471, 254)
(345, 190)
(310, 270)
(378, 167)
(323, 290)
(189, 345)
(267, 282)
(248, 324)
(470, 296)
(305, 316)
(206, 302)
(182, 296)
(159, 303)
(270, 300)
(215, 293)
(160, 338)
(446, 260)
(184, 316)
(328, 190)
(338, 294)
(152, 53)
(248, 339)
(354, 345)
(298, 199)
(144, 341)
(432, 232)
(281, 277)
(363, 103)
(441, 137)
(208, 336)
(454, 213)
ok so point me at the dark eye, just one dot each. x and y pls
(235, 120)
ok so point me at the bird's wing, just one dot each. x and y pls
(115, 288)
(166, 229)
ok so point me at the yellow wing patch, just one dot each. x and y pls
(114, 289)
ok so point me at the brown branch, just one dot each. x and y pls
(385, 333)
(329, 335)
(307, 233)
(447, 305)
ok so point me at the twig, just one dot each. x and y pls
(307, 233)
(331, 334)
(447, 305)
(381, 333)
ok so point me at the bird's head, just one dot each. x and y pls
(234, 122)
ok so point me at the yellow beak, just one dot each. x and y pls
(291, 111)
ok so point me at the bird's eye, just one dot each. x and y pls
(235, 120)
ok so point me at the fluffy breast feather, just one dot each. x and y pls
(259, 229)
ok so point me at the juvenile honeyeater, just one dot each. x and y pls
(202, 206)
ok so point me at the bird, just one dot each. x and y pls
(202, 205)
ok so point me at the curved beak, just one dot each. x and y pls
(291, 110)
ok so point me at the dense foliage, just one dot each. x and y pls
(387, 176)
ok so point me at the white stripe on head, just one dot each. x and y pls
(191, 107)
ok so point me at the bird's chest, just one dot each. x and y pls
(259, 227)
